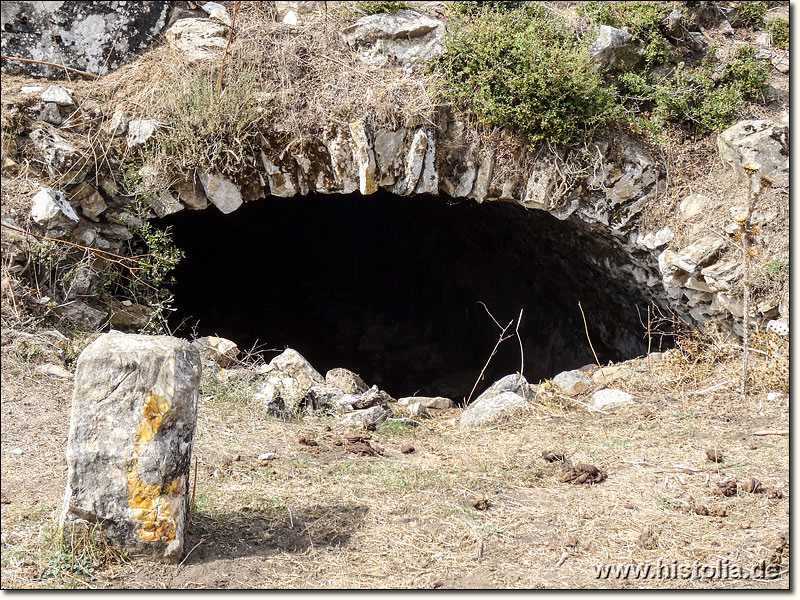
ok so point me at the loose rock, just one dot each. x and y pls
(573, 382)
(487, 407)
(346, 380)
(221, 351)
(609, 399)
(404, 37)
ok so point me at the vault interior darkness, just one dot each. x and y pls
(390, 286)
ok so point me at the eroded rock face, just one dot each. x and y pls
(763, 142)
(130, 441)
(404, 38)
(97, 37)
(197, 39)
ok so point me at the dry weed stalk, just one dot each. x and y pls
(746, 234)
(503, 337)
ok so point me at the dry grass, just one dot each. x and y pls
(322, 517)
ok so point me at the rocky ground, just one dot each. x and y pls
(320, 502)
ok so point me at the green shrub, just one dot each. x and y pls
(696, 96)
(689, 96)
(473, 7)
(748, 74)
(751, 14)
(643, 19)
(779, 28)
(525, 72)
(386, 6)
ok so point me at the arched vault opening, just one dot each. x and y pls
(393, 287)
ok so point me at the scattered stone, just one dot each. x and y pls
(93, 205)
(51, 210)
(511, 383)
(436, 403)
(58, 95)
(614, 49)
(304, 440)
(487, 407)
(713, 455)
(369, 417)
(17, 451)
(609, 399)
(140, 131)
(346, 380)
(653, 241)
(763, 142)
(553, 456)
(266, 456)
(407, 449)
(751, 485)
(727, 487)
(573, 382)
(781, 62)
(418, 410)
(372, 397)
(700, 253)
(217, 12)
(404, 38)
(482, 504)
(51, 114)
(222, 351)
(222, 192)
(83, 315)
(63, 160)
(774, 494)
(130, 441)
(290, 377)
(294, 12)
(52, 370)
(327, 397)
(198, 39)
(582, 474)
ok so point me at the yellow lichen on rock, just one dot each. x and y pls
(153, 411)
(152, 505)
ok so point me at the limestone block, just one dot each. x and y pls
(221, 191)
(486, 408)
(403, 37)
(130, 441)
(364, 158)
(346, 380)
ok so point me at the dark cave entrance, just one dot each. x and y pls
(390, 287)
